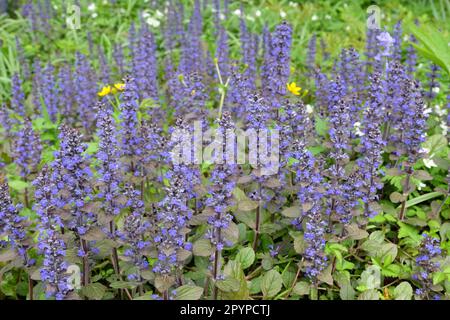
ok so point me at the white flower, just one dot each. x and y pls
(444, 127)
(159, 14)
(309, 109)
(347, 28)
(439, 110)
(237, 12)
(258, 13)
(358, 131)
(427, 111)
(152, 22)
(405, 38)
(221, 16)
(145, 14)
(435, 89)
(94, 15)
(314, 18)
(293, 4)
(282, 14)
(92, 7)
(429, 163)
(421, 185)
(328, 17)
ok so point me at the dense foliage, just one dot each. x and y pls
(94, 203)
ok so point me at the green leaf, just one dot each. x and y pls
(147, 296)
(407, 231)
(435, 143)
(164, 282)
(377, 236)
(255, 285)
(433, 45)
(369, 295)
(403, 291)
(202, 248)
(239, 194)
(123, 285)
(387, 253)
(394, 172)
(233, 270)
(302, 288)
(422, 198)
(188, 292)
(422, 175)
(92, 148)
(335, 249)
(228, 285)
(291, 212)
(94, 291)
(267, 263)
(355, 233)
(444, 231)
(321, 126)
(346, 292)
(371, 277)
(94, 234)
(288, 277)
(22, 288)
(344, 265)
(18, 185)
(392, 270)
(7, 255)
(299, 244)
(271, 283)
(438, 277)
(246, 256)
(248, 205)
(397, 197)
(231, 233)
(325, 276)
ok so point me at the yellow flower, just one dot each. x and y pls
(105, 90)
(119, 86)
(292, 87)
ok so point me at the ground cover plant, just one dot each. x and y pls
(106, 192)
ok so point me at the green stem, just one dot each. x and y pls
(405, 194)
(86, 271)
(30, 287)
(257, 220)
